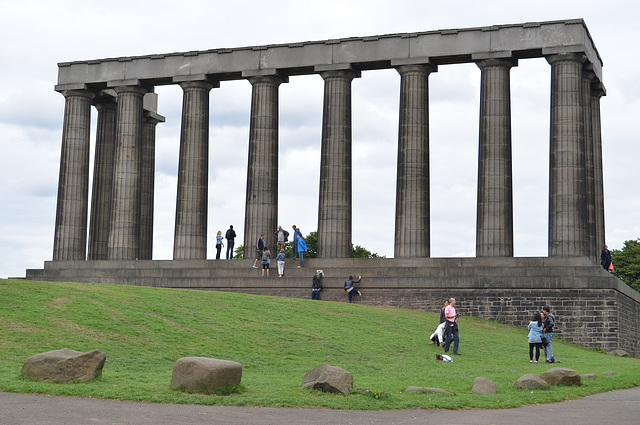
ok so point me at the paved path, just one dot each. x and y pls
(619, 407)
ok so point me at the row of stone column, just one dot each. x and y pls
(121, 224)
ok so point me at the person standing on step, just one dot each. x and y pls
(219, 244)
(605, 258)
(302, 248)
(266, 260)
(282, 236)
(294, 247)
(260, 244)
(280, 262)
(230, 236)
(451, 327)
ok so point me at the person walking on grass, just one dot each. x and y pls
(451, 327)
(535, 337)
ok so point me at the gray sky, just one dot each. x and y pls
(38, 34)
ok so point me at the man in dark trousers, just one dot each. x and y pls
(548, 324)
(605, 258)
(231, 237)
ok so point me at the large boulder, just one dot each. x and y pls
(531, 382)
(327, 378)
(202, 373)
(64, 366)
(561, 376)
(484, 386)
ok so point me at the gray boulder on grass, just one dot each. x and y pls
(588, 376)
(607, 373)
(327, 378)
(64, 366)
(619, 353)
(202, 373)
(413, 389)
(561, 376)
(484, 386)
(531, 382)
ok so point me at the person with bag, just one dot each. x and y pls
(230, 236)
(348, 286)
(266, 260)
(605, 259)
(316, 285)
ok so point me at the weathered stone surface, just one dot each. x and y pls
(484, 386)
(607, 373)
(531, 382)
(411, 389)
(561, 376)
(64, 366)
(328, 378)
(619, 353)
(202, 373)
(588, 376)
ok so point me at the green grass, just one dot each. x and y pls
(143, 331)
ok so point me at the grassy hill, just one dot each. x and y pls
(143, 331)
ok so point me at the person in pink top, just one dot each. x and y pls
(451, 327)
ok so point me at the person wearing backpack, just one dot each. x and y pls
(266, 260)
(280, 262)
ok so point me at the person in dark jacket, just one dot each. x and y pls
(316, 285)
(348, 286)
(231, 237)
(549, 323)
(605, 258)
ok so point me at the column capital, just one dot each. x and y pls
(496, 62)
(566, 57)
(196, 80)
(129, 86)
(426, 68)
(340, 70)
(598, 89)
(265, 75)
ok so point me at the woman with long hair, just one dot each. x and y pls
(535, 337)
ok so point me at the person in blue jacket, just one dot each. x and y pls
(294, 247)
(535, 337)
(302, 248)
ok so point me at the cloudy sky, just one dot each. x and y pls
(37, 34)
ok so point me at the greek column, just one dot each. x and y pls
(190, 240)
(124, 232)
(589, 177)
(597, 91)
(70, 240)
(335, 202)
(567, 201)
(147, 176)
(412, 232)
(494, 231)
(261, 208)
(102, 191)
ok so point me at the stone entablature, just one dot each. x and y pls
(449, 46)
